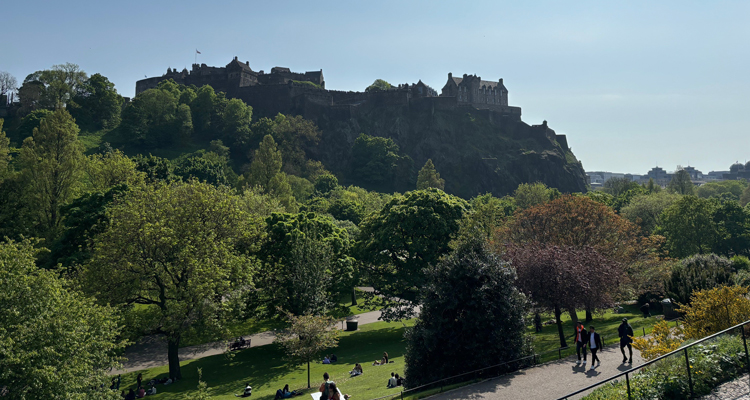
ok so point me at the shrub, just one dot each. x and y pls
(714, 310)
(699, 272)
(661, 341)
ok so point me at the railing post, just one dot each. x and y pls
(627, 380)
(744, 341)
(644, 331)
(690, 376)
(559, 353)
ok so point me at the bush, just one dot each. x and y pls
(740, 263)
(699, 272)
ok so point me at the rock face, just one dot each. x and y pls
(475, 151)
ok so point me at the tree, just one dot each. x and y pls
(397, 243)
(31, 121)
(715, 189)
(206, 166)
(236, 123)
(280, 188)
(745, 198)
(429, 178)
(97, 105)
(180, 249)
(306, 265)
(470, 305)
(375, 159)
(681, 183)
(325, 183)
(713, 310)
(266, 163)
(697, 273)
(618, 186)
(59, 84)
(52, 337)
(378, 85)
(295, 136)
(530, 194)
(52, 161)
(488, 213)
(688, 227)
(560, 278)
(306, 337)
(5, 156)
(111, 169)
(644, 210)
(733, 228)
(8, 84)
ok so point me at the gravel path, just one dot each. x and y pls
(546, 381)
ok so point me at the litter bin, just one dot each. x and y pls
(669, 311)
(351, 325)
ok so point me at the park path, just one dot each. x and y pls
(151, 351)
(546, 381)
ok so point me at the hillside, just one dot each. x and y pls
(475, 151)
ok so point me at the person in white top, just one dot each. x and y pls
(392, 383)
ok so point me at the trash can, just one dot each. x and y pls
(351, 325)
(669, 311)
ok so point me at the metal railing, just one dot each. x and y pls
(488, 372)
(683, 350)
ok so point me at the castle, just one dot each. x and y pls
(286, 92)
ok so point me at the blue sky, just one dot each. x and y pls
(632, 84)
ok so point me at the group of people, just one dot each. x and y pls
(140, 392)
(329, 390)
(330, 359)
(285, 393)
(593, 342)
(383, 360)
(395, 381)
(239, 343)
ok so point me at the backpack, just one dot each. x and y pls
(326, 392)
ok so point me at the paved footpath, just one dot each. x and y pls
(151, 351)
(738, 389)
(547, 381)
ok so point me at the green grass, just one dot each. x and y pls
(548, 340)
(266, 370)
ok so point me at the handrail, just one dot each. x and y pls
(681, 349)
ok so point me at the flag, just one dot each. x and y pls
(196, 50)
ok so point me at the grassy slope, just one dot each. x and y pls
(266, 370)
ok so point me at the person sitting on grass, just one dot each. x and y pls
(247, 393)
(382, 361)
(356, 371)
(392, 383)
(326, 360)
(140, 393)
(151, 390)
(334, 392)
(130, 395)
(333, 358)
(399, 380)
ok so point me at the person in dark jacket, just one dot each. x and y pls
(646, 310)
(595, 344)
(580, 339)
(626, 338)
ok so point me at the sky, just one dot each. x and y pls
(632, 84)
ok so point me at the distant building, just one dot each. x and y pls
(695, 175)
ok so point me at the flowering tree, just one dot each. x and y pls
(714, 310)
(662, 340)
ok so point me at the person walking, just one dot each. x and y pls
(580, 339)
(626, 338)
(646, 310)
(595, 344)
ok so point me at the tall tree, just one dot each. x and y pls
(97, 104)
(266, 163)
(644, 210)
(306, 337)
(409, 234)
(52, 161)
(681, 183)
(429, 178)
(59, 83)
(8, 84)
(470, 305)
(113, 168)
(180, 250)
(530, 194)
(688, 227)
(4, 153)
(51, 337)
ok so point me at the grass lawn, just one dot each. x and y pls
(266, 369)
(606, 325)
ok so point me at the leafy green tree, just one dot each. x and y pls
(618, 186)
(325, 183)
(217, 146)
(266, 163)
(203, 108)
(681, 183)
(52, 161)
(31, 121)
(378, 85)
(429, 178)
(306, 265)
(487, 214)
(688, 227)
(699, 272)
(180, 250)
(347, 210)
(745, 198)
(16, 217)
(55, 343)
(97, 104)
(652, 187)
(156, 118)
(530, 194)
(644, 210)
(30, 95)
(110, 169)
(206, 166)
(733, 226)
(470, 305)
(626, 197)
(280, 188)
(400, 241)
(716, 189)
(59, 84)
(600, 197)
(306, 337)
(296, 137)
(5, 156)
(236, 123)
(375, 159)
(302, 189)
(155, 168)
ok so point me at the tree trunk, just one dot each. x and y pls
(174, 357)
(589, 317)
(354, 296)
(558, 313)
(573, 315)
(308, 374)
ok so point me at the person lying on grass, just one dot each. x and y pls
(356, 371)
(247, 393)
